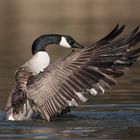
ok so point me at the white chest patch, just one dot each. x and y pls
(38, 62)
(64, 42)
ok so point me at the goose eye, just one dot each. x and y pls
(72, 42)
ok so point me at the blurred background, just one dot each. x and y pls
(85, 20)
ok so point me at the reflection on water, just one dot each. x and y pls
(110, 121)
(114, 115)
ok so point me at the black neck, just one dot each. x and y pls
(41, 42)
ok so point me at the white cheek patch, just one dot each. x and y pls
(64, 43)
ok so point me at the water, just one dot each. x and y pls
(114, 115)
(110, 121)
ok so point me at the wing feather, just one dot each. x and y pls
(88, 71)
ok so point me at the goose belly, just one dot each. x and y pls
(27, 113)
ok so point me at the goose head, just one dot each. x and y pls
(41, 59)
(62, 40)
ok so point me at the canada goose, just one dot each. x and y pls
(45, 90)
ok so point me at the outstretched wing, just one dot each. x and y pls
(88, 72)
